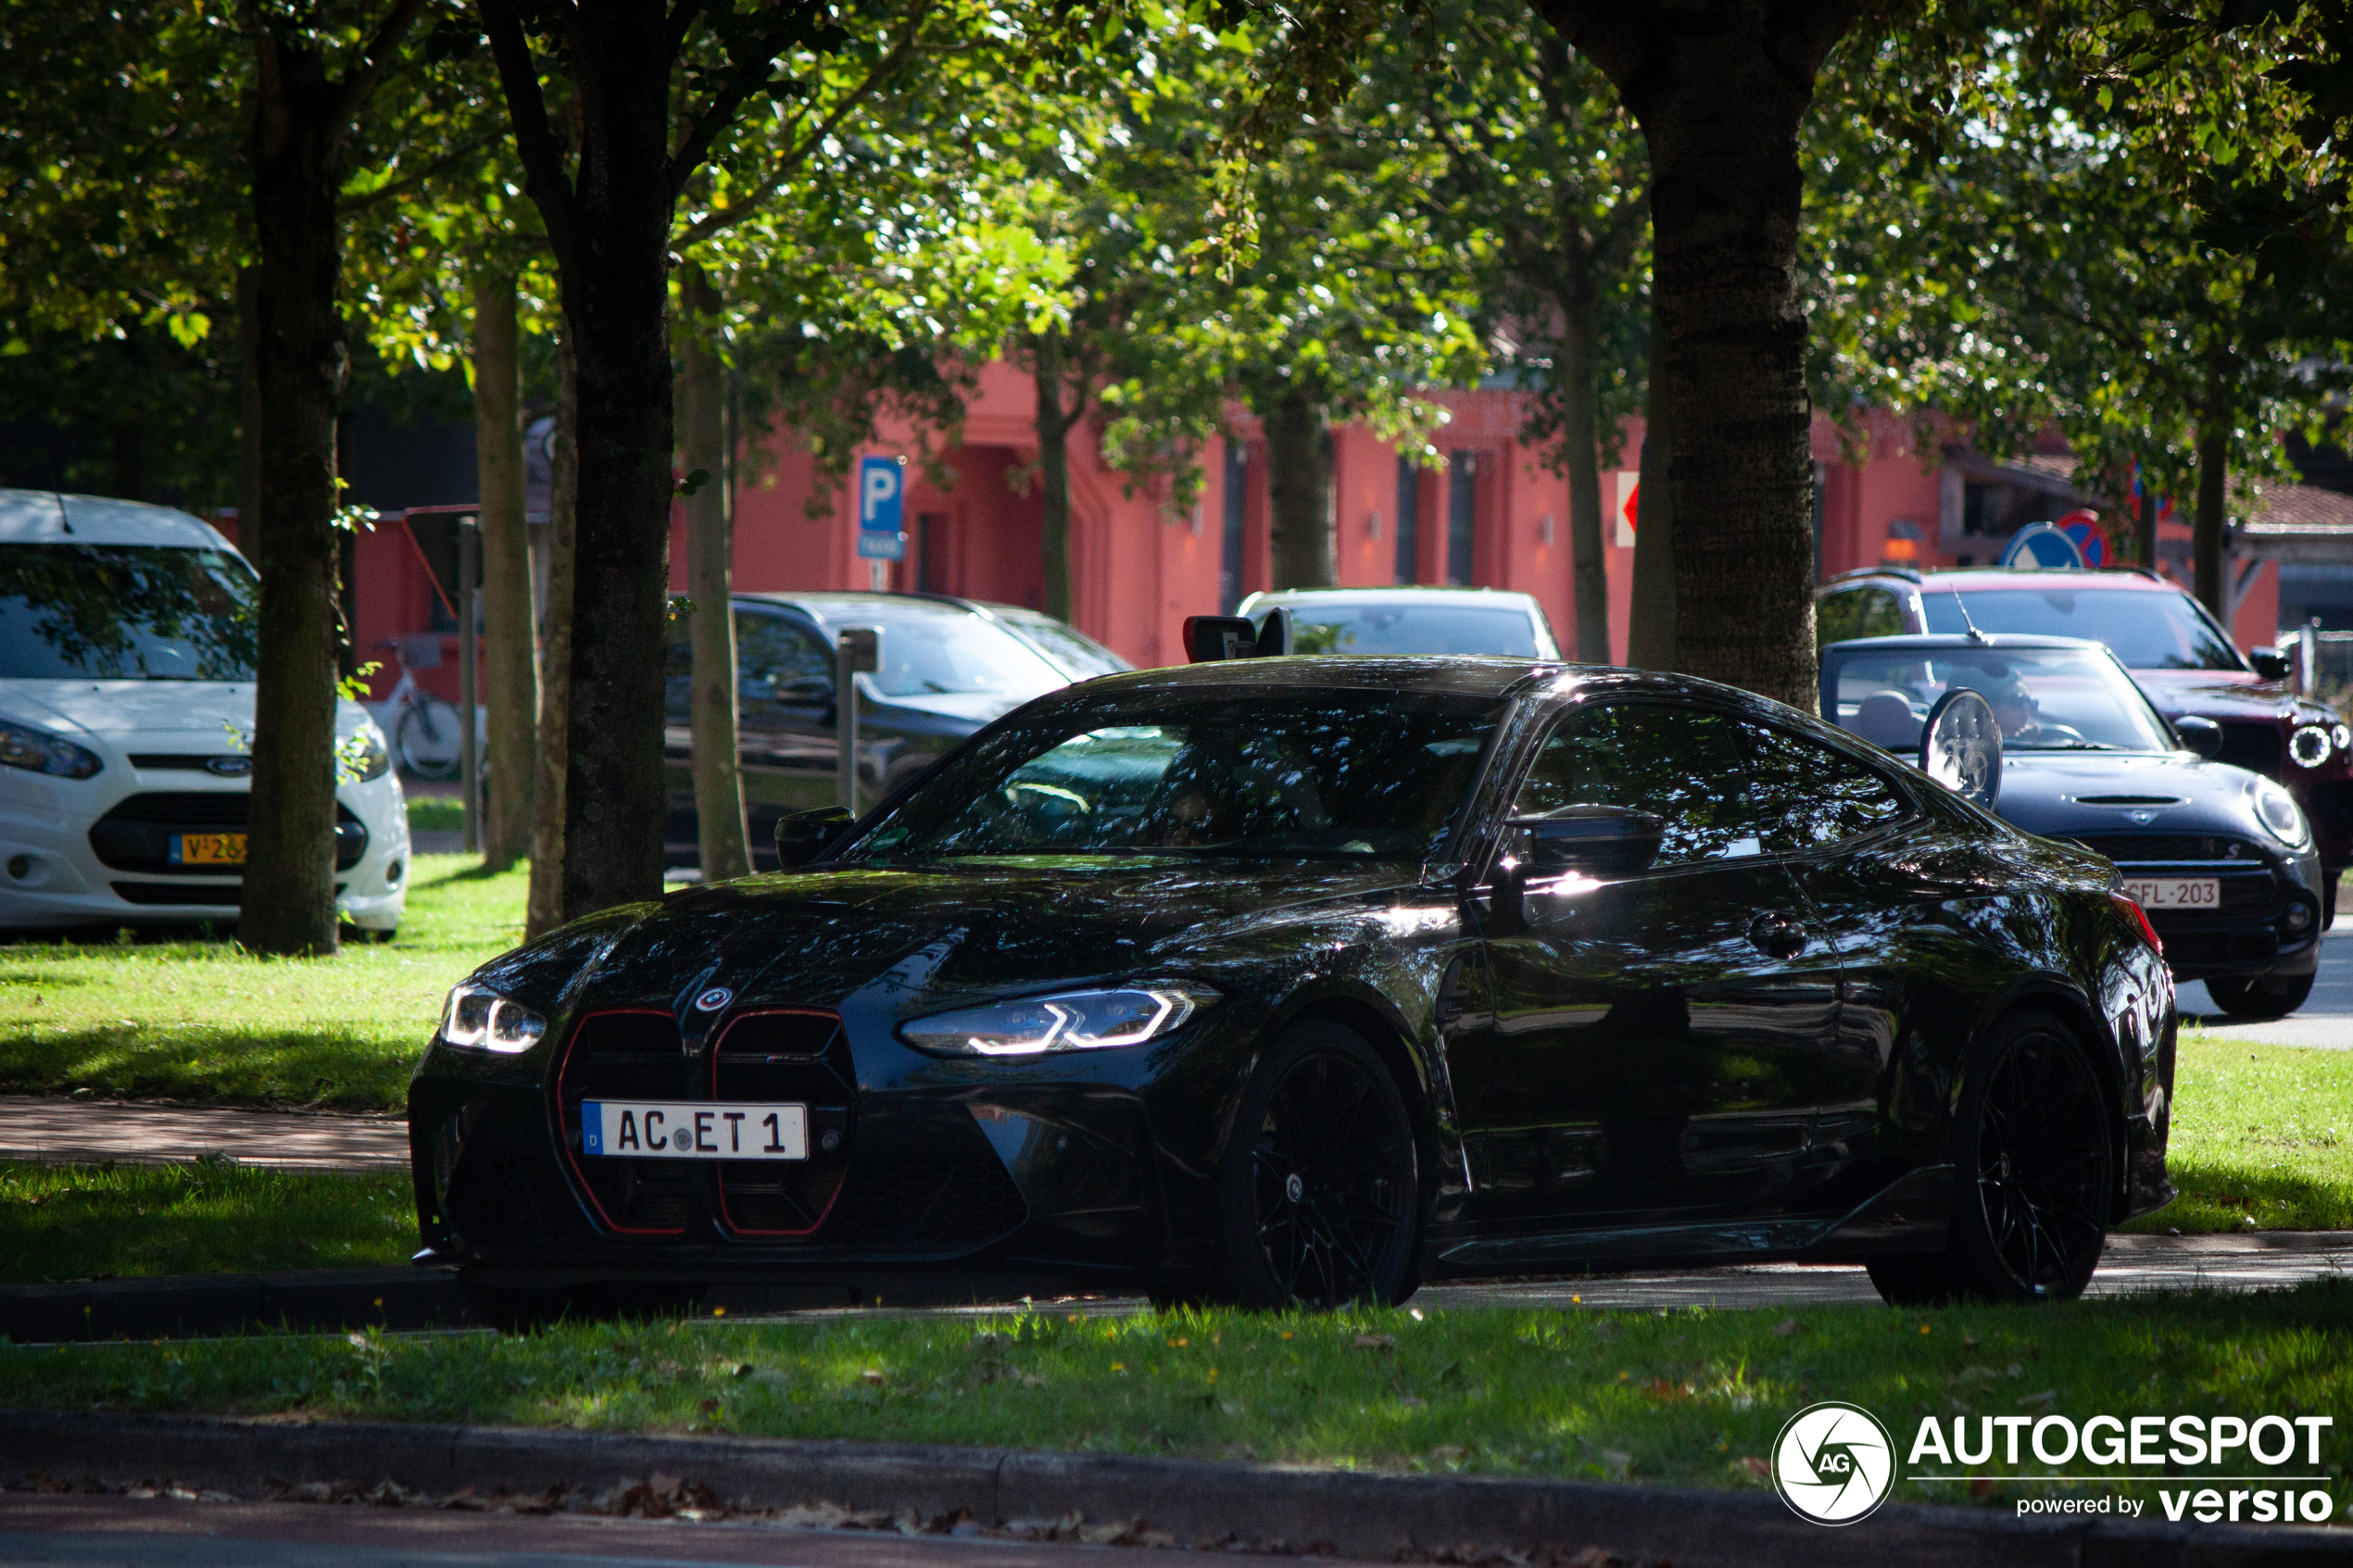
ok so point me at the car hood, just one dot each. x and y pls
(975, 708)
(215, 711)
(2215, 693)
(936, 937)
(2066, 794)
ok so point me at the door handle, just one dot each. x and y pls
(1779, 933)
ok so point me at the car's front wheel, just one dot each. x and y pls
(2033, 1176)
(1319, 1196)
(2272, 996)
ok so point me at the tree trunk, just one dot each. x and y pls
(1581, 434)
(510, 676)
(2213, 490)
(287, 904)
(1720, 88)
(545, 908)
(702, 420)
(1650, 636)
(1299, 484)
(250, 406)
(1053, 474)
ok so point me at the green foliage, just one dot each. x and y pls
(2262, 1138)
(1692, 1397)
(115, 1221)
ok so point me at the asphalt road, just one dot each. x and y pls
(115, 1532)
(2325, 1021)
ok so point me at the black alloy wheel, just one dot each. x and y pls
(1319, 1202)
(2272, 996)
(2033, 1176)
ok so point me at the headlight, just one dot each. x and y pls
(1068, 1021)
(2341, 738)
(363, 755)
(2309, 746)
(480, 1020)
(38, 751)
(2277, 807)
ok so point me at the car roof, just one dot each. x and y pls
(1934, 640)
(50, 517)
(1420, 592)
(832, 604)
(1948, 579)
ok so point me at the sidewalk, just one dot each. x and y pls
(40, 1127)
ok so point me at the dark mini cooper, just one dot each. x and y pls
(1303, 979)
(2219, 858)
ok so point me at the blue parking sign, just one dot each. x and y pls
(882, 484)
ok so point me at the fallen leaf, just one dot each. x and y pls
(1981, 1488)
(1786, 1328)
(709, 1407)
(873, 1374)
(1752, 1467)
(1615, 1463)
(1449, 1453)
(1376, 1342)
(1969, 1341)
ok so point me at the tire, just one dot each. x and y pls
(2260, 998)
(2035, 1177)
(1319, 1196)
(428, 741)
(513, 1309)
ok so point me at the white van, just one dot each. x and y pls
(127, 648)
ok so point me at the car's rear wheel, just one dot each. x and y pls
(2268, 997)
(1319, 1196)
(2035, 1177)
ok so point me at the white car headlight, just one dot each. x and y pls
(1067, 1021)
(2310, 745)
(477, 1018)
(2277, 810)
(38, 751)
(363, 754)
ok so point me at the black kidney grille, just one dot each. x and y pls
(136, 836)
(944, 1191)
(791, 1057)
(630, 1054)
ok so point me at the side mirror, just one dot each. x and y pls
(1596, 840)
(1209, 638)
(1961, 746)
(2201, 735)
(800, 834)
(2270, 663)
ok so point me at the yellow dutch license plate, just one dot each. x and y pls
(208, 849)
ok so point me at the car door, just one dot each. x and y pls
(784, 708)
(1651, 1045)
(1846, 834)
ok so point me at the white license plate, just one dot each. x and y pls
(693, 1130)
(2175, 892)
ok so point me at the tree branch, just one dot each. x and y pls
(543, 163)
(384, 193)
(374, 61)
(746, 77)
(680, 22)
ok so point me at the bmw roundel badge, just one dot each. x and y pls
(713, 1000)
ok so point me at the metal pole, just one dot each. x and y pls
(846, 723)
(469, 690)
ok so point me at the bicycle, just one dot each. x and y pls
(425, 730)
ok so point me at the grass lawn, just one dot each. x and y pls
(200, 1021)
(81, 1222)
(2262, 1138)
(1691, 1398)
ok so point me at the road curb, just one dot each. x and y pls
(400, 1297)
(1355, 1513)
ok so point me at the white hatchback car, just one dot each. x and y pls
(1408, 620)
(127, 647)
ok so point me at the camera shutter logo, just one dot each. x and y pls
(1834, 1463)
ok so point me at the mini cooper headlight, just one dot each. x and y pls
(2310, 745)
(363, 755)
(2340, 736)
(477, 1018)
(38, 751)
(2277, 808)
(1067, 1021)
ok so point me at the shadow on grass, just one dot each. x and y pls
(83, 1222)
(217, 1064)
(2224, 1195)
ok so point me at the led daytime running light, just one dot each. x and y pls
(477, 1018)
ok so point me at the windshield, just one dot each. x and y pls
(125, 612)
(2045, 699)
(1081, 658)
(1327, 774)
(1411, 628)
(2147, 630)
(955, 654)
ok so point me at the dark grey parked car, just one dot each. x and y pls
(949, 666)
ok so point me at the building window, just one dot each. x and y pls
(1409, 514)
(1229, 572)
(1461, 477)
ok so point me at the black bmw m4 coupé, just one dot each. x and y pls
(1304, 980)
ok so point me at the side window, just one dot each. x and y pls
(782, 669)
(1814, 795)
(1857, 612)
(1680, 764)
